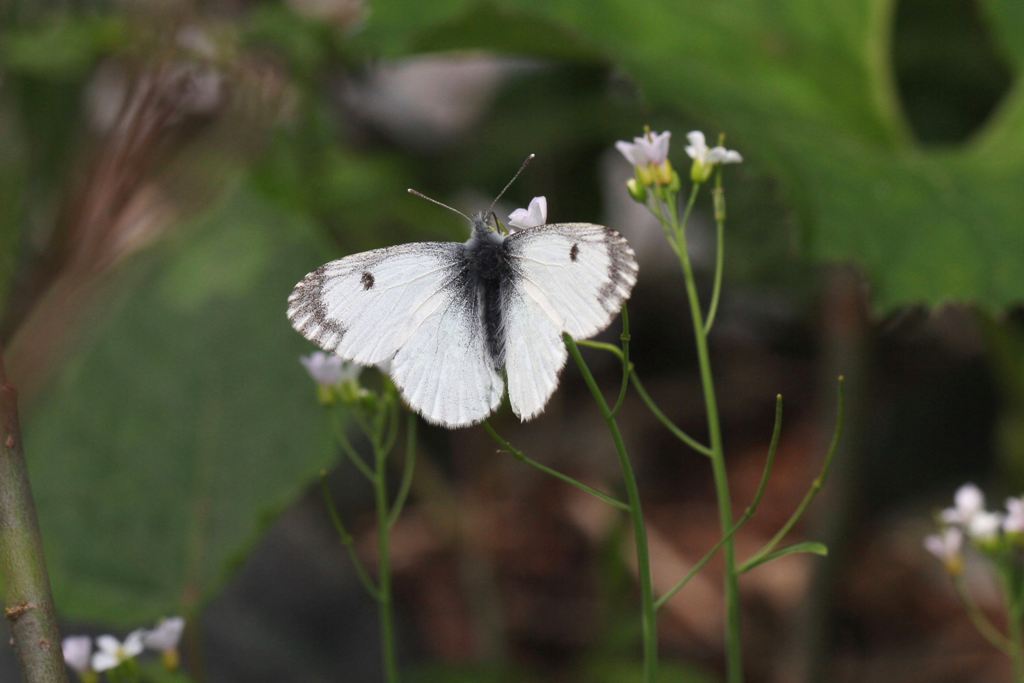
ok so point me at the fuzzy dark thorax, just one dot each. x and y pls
(486, 277)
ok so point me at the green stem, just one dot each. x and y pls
(627, 367)
(28, 603)
(384, 602)
(816, 485)
(408, 469)
(716, 291)
(648, 612)
(669, 425)
(748, 514)
(646, 398)
(981, 622)
(1014, 610)
(522, 457)
(346, 446)
(346, 539)
(733, 644)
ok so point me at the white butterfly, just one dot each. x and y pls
(449, 316)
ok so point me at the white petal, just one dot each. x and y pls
(732, 157)
(629, 151)
(659, 146)
(101, 661)
(520, 218)
(132, 645)
(933, 544)
(165, 636)
(108, 644)
(969, 500)
(539, 210)
(984, 526)
(698, 147)
(77, 651)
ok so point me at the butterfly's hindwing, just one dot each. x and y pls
(570, 277)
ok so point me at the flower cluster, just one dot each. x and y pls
(111, 653)
(652, 168)
(968, 519)
(336, 378)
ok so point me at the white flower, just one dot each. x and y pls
(649, 150)
(112, 652)
(165, 636)
(1014, 521)
(968, 502)
(77, 651)
(947, 546)
(705, 158)
(984, 526)
(329, 370)
(536, 214)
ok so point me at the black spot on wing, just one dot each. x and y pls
(574, 252)
(367, 280)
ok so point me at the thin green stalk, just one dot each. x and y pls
(28, 603)
(346, 446)
(627, 367)
(733, 644)
(716, 291)
(408, 469)
(522, 457)
(664, 419)
(1014, 613)
(981, 622)
(648, 612)
(392, 412)
(816, 485)
(646, 398)
(748, 514)
(346, 539)
(387, 628)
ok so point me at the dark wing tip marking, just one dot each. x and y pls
(622, 270)
(307, 312)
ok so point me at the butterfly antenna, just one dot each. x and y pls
(416, 193)
(526, 162)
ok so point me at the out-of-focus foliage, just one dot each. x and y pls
(183, 419)
(188, 420)
(805, 89)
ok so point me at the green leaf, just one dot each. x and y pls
(812, 547)
(168, 443)
(804, 89)
(62, 48)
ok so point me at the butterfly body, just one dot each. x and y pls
(448, 317)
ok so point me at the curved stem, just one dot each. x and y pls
(748, 514)
(815, 488)
(648, 612)
(716, 291)
(627, 367)
(346, 539)
(664, 419)
(981, 622)
(407, 471)
(350, 452)
(522, 457)
(733, 644)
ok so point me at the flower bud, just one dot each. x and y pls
(700, 171)
(637, 191)
(663, 173)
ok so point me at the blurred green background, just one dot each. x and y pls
(168, 170)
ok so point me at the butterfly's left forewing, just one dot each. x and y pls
(406, 305)
(569, 277)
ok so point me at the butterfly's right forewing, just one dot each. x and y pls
(406, 305)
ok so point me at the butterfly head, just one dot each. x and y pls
(487, 225)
